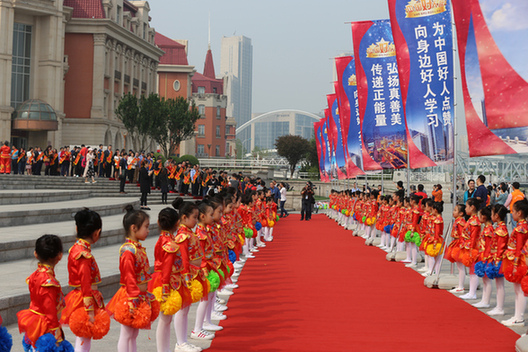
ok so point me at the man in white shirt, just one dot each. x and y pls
(283, 200)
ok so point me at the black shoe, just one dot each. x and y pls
(303, 219)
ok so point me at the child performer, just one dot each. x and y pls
(513, 263)
(249, 225)
(40, 322)
(405, 213)
(435, 238)
(166, 283)
(133, 306)
(85, 311)
(394, 222)
(228, 230)
(210, 265)
(468, 248)
(193, 277)
(381, 221)
(452, 252)
(484, 247)
(424, 231)
(499, 243)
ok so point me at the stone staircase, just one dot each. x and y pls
(31, 206)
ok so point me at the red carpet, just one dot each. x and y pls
(317, 288)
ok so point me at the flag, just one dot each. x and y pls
(337, 138)
(424, 51)
(327, 148)
(492, 48)
(383, 129)
(318, 144)
(346, 91)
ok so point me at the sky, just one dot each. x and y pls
(293, 41)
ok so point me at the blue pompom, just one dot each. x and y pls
(6, 340)
(46, 343)
(26, 344)
(258, 226)
(386, 229)
(232, 257)
(354, 217)
(480, 269)
(492, 270)
(391, 227)
(65, 346)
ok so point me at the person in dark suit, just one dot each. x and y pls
(144, 184)
(307, 199)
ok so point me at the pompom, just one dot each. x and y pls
(492, 270)
(416, 239)
(368, 221)
(354, 217)
(221, 273)
(515, 273)
(469, 257)
(455, 254)
(524, 285)
(196, 290)
(480, 269)
(155, 310)
(386, 229)
(343, 211)
(258, 226)
(65, 346)
(271, 223)
(46, 343)
(172, 304)
(408, 236)
(101, 324)
(363, 219)
(26, 344)
(347, 213)
(277, 219)
(433, 250)
(232, 256)
(141, 316)
(372, 220)
(6, 340)
(264, 223)
(122, 312)
(248, 232)
(214, 280)
(80, 324)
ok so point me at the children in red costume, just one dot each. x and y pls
(85, 312)
(132, 305)
(468, 246)
(514, 261)
(40, 322)
(5, 159)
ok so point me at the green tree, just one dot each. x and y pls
(181, 119)
(312, 159)
(152, 118)
(128, 112)
(293, 148)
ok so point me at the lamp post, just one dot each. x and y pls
(245, 140)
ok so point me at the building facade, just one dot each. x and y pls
(64, 66)
(264, 129)
(236, 65)
(208, 95)
(32, 69)
(110, 50)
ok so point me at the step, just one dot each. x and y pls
(35, 213)
(18, 242)
(14, 295)
(26, 196)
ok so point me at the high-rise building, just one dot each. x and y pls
(236, 66)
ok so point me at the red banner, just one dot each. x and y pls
(350, 126)
(492, 55)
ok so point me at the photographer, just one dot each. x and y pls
(307, 200)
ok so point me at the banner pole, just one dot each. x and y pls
(453, 28)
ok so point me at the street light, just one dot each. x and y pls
(245, 140)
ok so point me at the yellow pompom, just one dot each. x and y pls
(172, 304)
(367, 221)
(242, 239)
(372, 221)
(347, 213)
(271, 223)
(196, 291)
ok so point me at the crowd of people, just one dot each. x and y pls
(199, 255)
(479, 240)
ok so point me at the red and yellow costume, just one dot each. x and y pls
(395, 220)
(499, 242)
(469, 244)
(167, 277)
(5, 159)
(514, 262)
(46, 304)
(452, 252)
(133, 305)
(404, 218)
(192, 255)
(210, 263)
(433, 239)
(84, 276)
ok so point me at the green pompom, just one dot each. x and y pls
(214, 280)
(278, 218)
(416, 239)
(248, 232)
(363, 219)
(221, 273)
(408, 236)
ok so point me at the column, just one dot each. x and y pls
(7, 15)
(98, 76)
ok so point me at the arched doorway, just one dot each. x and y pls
(108, 138)
(118, 141)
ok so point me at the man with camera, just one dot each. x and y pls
(307, 194)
